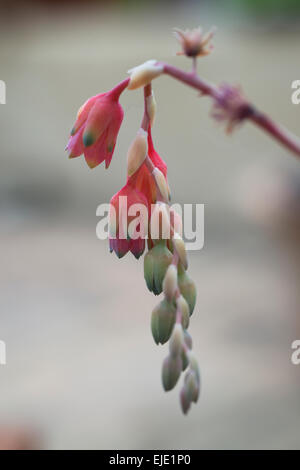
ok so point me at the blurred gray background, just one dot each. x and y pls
(82, 368)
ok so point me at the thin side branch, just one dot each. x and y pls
(279, 133)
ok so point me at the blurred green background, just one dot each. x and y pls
(82, 368)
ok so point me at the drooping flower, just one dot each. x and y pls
(128, 221)
(96, 128)
(143, 180)
(193, 42)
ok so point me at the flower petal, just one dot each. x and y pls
(112, 134)
(119, 246)
(96, 153)
(75, 144)
(137, 247)
(98, 120)
(83, 113)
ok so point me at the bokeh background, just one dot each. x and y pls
(82, 368)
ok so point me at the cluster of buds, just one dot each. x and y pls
(165, 263)
(157, 228)
(165, 272)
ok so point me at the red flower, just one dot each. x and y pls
(96, 128)
(128, 223)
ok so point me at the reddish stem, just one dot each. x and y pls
(286, 138)
(190, 79)
(118, 89)
(279, 133)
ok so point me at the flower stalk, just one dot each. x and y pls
(264, 122)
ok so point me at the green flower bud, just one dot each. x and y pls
(184, 400)
(156, 263)
(171, 371)
(182, 305)
(149, 270)
(179, 245)
(155, 325)
(194, 365)
(185, 361)
(188, 339)
(192, 386)
(187, 288)
(176, 340)
(162, 321)
(170, 282)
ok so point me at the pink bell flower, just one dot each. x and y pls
(97, 126)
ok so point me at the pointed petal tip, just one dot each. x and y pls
(137, 255)
(91, 163)
(73, 155)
